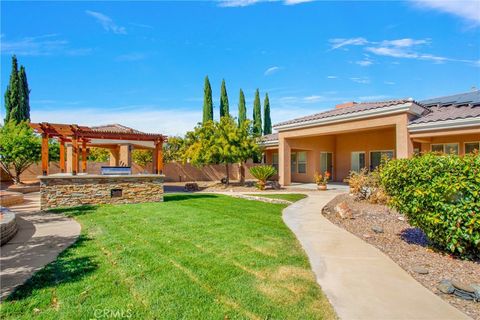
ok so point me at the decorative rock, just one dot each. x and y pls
(401, 218)
(463, 286)
(420, 270)
(377, 229)
(191, 186)
(445, 286)
(366, 235)
(476, 287)
(344, 210)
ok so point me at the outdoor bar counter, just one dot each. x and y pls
(67, 190)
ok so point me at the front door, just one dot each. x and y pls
(326, 163)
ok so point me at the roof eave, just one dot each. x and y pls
(444, 124)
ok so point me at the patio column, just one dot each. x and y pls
(84, 156)
(125, 155)
(44, 154)
(62, 156)
(404, 144)
(74, 155)
(284, 154)
(158, 158)
(113, 159)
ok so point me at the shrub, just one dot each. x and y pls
(262, 173)
(365, 185)
(441, 196)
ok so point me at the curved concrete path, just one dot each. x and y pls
(359, 280)
(40, 238)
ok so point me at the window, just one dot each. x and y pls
(293, 162)
(470, 147)
(302, 162)
(377, 156)
(447, 148)
(298, 162)
(275, 161)
(358, 161)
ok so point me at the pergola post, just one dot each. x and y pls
(44, 154)
(74, 155)
(84, 156)
(158, 158)
(62, 156)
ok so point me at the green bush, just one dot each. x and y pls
(262, 173)
(441, 196)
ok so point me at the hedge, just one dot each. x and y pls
(440, 194)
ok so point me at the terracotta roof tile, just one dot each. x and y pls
(115, 127)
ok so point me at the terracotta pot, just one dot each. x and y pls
(322, 187)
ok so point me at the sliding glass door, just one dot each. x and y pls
(358, 161)
(326, 163)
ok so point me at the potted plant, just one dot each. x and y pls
(321, 180)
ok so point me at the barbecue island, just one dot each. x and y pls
(74, 186)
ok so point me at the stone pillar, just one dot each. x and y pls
(284, 154)
(114, 157)
(404, 145)
(125, 157)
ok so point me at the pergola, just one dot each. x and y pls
(81, 137)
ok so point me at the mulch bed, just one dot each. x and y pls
(408, 247)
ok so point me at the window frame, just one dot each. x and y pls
(275, 165)
(444, 144)
(365, 160)
(304, 162)
(465, 146)
(370, 155)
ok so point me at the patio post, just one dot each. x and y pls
(84, 156)
(74, 155)
(284, 154)
(62, 156)
(44, 154)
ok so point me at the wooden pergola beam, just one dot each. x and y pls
(84, 156)
(62, 156)
(45, 154)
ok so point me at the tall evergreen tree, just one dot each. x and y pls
(267, 122)
(207, 101)
(12, 94)
(224, 107)
(242, 109)
(24, 94)
(257, 115)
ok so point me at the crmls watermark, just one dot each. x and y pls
(112, 313)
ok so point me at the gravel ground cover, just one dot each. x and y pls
(390, 232)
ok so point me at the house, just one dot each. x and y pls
(357, 135)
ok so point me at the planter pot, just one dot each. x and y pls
(322, 187)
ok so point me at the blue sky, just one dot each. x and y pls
(143, 64)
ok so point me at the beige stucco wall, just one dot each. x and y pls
(460, 139)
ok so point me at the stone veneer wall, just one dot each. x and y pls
(70, 191)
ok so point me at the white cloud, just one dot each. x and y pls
(379, 97)
(407, 42)
(106, 22)
(237, 3)
(44, 45)
(294, 2)
(390, 83)
(468, 10)
(340, 42)
(314, 98)
(362, 80)
(271, 70)
(364, 63)
(332, 77)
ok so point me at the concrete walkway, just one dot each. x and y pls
(359, 280)
(39, 240)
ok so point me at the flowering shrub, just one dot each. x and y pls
(365, 185)
(441, 196)
(321, 179)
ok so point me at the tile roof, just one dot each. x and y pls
(115, 127)
(270, 137)
(458, 106)
(358, 107)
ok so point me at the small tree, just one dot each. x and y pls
(173, 149)
(242, 110)
(142, 157)
(98, 155)
(19, 148)
(224, 107)
(267, 122)
(207, 101)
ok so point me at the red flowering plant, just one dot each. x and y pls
(322, 179)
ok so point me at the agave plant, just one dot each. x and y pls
(262, 173)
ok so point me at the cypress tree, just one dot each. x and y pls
(242, 109)
(12, 95)
(267, 122)
(207, 101)
(24, 94)
(224, 108)
(257, 115)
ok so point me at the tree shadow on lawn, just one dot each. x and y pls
(414, 236)
(66, 268)
(183, 197)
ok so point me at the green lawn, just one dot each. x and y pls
(192, 257)
(283, 196)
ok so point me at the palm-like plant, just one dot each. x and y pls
(262, 173)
